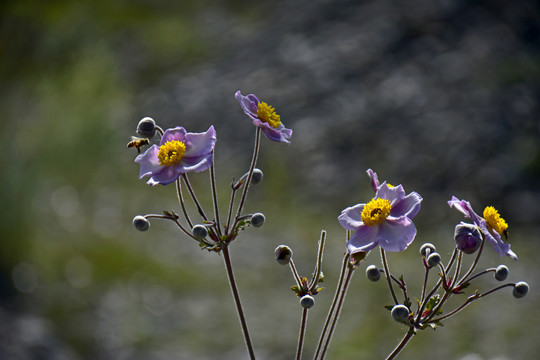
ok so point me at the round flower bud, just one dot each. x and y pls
(307, 301)
(141, 223)
(400, 313)
(520, 289)
(433, 259)
(147, 127)
(501, 273)
(257, 220)
(283, 254)
(468, 237)
(427, 249)
(257, 176)
(373, 273)
(199, 232)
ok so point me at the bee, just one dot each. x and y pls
(137, 142)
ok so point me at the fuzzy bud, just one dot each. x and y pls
(257, 220)
(283, 254)
(433, 259)
(373, 273)
(468, 237)
(501, 273)
(520, 289)
(307, 301)
(147, 127)
(257, 176)
(141, 223)
(427, 249)
(199, 232)
(400, 313)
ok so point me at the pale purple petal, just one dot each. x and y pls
(495, 239)
(396, 234)
(374, 179)
(408, 207)
(364, 239)
(466, 209)
(198, 144)
(176, 134)
(394, 193)
(280, 134)
(165, 176)
(149, 161)
(197, 163)
(351, 217)
(248, 103)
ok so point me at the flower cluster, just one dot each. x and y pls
(384, 222)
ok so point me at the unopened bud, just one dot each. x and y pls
(400, 313)
(373, 273)
(468, 237)
(501, 273)
(257, 176)
(147, 127)
(427, 249)
(283, 254)
(520, 289)
(141, 223)
(433, 259)
(307, 301)
(257, 220)
(199, 232)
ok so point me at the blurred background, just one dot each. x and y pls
(438, 95)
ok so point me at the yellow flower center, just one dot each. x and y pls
(267, 114)
(376, 211)
(494, 220)
(171, 153)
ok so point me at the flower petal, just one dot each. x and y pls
(364, 239)
(176, 134)
(394, 193)
(374, 179)
(466, 209)
(200, 144)
(495, 239)
(248, 103)
(351, 217)
(165, 176)
(197, 163)
(149, 161)
(396, 234)
(408, 207)
(281, 134)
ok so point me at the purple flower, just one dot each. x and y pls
(265, 117)
(492, 225)
(178, 152)
(385, 220)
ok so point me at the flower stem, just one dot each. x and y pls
(301, 334)
(408, 336)
(236, 296)
(387, 274)
(181, 201)
(214, 197)
(251, 168)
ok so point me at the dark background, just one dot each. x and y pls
(440, 96)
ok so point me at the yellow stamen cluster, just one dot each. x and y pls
(171, 153)
(376, 211)
(267, 114)
(494, 220)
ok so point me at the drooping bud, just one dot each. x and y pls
(257, 220)
(520, 289)
(427, 249)
(373, 273)
(433, 259)
(199, 232)
(501, 273)
(141, 223)
(283, 254)
(147, 127)
(400, 313)
(307, 301)
(257, 176)
(468, 237)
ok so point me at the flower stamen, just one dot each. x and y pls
(171, 153)
(267, 114)
(494, 220)
(376, 211)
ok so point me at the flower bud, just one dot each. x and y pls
(520, 289)
(433, 259)
(257, 220)
(307, 301)
(427, 249)
(141, 223)
(147, 127)
(400, 313)
(199, 232)
(283, 254)
(501, 273)
(468, 237)
(257, 176)
(373, 273)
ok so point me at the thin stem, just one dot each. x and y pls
(194, 197)
(334, 303)
(408, 336)
(214, 197)
(350, 271)
(317, 272)
(301, 334)
(236, 296)
(387, 273)
(231, 205)
(251, 168)
(181, 201)
(295, 274)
